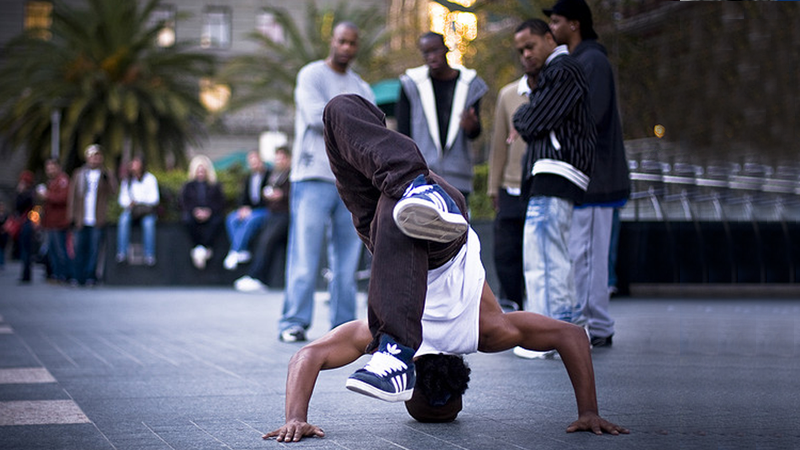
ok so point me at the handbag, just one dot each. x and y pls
(138, 211)
(13, 226)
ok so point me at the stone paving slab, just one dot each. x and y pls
(201, 368)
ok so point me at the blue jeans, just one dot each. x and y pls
(148, 233)
(26, 249)
(57, 253)
(315, 205)
(549, 278)
(87, 247)
(241, 231)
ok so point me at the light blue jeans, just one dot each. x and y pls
(549, 278)
(315, 206)
(148, 233)
(241, 231)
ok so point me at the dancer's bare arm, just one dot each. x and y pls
(340, 346)
(499, 331)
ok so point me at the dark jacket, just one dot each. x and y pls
(558, 127)
(610, 180)
(193, 196)
(244, 198)
(279, 180)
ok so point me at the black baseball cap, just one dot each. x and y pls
(575, 10)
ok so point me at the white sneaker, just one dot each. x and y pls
(248, 284)
(244, 256)
(199, 257)
(231, 261)
(532, 354)
(427, 212)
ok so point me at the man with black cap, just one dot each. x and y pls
(459, 313)
(590, 235)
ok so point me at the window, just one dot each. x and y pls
(269, 27)
(164, 14)
(216, 27)
(38, 17)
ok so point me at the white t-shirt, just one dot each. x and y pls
(144, 191)
(452, 304)
(90, 200)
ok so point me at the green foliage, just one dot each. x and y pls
(112, 84)
(480, 205)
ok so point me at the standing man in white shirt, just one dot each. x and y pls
(90, 189)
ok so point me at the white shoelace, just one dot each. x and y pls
(383, 363)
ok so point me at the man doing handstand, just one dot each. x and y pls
(420, 249)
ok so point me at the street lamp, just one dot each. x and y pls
(55, 131)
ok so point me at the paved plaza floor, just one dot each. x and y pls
(201, 368)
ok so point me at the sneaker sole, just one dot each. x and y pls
(532, 354)
(417, 219)
(371, 391)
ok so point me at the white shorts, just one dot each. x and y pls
(452, 304)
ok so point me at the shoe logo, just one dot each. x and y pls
(392, 349)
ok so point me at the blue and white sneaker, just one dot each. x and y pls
(389, 375)
(427, 212)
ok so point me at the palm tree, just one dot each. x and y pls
(270, 73)
(112, 84)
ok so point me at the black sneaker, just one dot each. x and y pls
(427, 212)
(293, 334)
(598, 341)
(389, 375)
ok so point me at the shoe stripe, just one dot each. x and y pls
(396, 384)
(438, 201)
(399, 382)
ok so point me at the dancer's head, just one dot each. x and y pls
(441, 381)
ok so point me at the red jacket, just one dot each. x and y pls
(55, 203)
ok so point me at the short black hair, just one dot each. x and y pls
(433, 35)
(536, 26)
(441, 381)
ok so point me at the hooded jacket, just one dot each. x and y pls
(453, 158)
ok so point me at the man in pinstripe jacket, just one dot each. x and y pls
(557, 125)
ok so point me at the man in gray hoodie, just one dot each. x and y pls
(439, 108)
(590, 236)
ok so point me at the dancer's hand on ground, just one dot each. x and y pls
(293, 431)
(596, 424)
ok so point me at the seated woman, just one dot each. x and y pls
(138, 197)
(202, 204)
